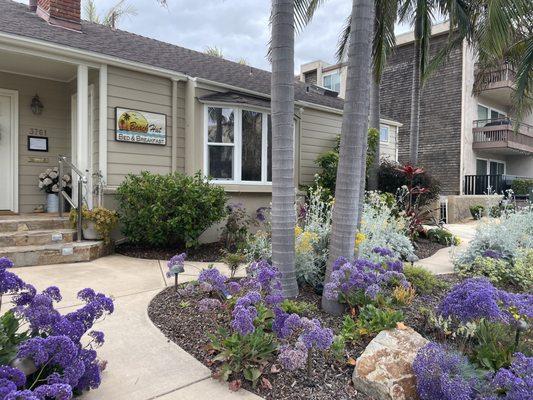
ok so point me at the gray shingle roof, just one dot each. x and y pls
(236, 98)
(16, 19)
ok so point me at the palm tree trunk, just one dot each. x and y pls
(374, 123)
(415, 95)
(283, 189)
(351, 170)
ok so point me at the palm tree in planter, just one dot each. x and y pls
(282, 108)
(351, 170)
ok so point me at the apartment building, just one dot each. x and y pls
(467, 140)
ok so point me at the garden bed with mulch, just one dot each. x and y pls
(425, 248)
(180, 320)
(206, 252)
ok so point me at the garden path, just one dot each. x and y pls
(441, 261)
(142, 363)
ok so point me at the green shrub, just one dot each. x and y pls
(501, 271)
(375, 320)
(423, 280)
(329, 161)
(522, 186)
(477, 211)
(390, 179)
(298, 307)
(442, 236)
(168, 210)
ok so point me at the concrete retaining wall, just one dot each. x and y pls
(459, 206)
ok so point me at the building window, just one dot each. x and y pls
(238, 146)
(489, 167)
(486, 114)
(384, 134)
(332, 81)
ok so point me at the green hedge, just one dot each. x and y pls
(168, 210)
(521, 186)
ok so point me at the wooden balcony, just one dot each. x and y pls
(497, 84)
(501, 136)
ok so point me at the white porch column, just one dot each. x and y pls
(102, 122)
(83, 147)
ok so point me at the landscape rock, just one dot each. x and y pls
(384, 370)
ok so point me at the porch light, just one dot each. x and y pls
(36, 105)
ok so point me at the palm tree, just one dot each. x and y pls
(503, 33)
(120, 10)
(214, 51)
(348, 193)
(282, 104)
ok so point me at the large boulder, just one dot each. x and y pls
(384, 370)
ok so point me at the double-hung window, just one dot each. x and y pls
(384, 134)
(332, 81)
(238, 145)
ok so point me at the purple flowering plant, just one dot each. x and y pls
(60, 365)
(363, 282)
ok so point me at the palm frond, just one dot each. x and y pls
(342, 44)
(522, 95)
(384, 38)
(90, 12)
(304, 11)
(120, 10)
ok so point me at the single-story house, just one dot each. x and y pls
(119, 103)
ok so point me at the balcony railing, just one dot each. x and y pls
(488, 184)
(504, 74)
(501, 133)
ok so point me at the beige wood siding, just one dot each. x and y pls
(318, 133)
(144, 92)
(55, 119)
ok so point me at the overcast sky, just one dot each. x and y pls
(238, 27)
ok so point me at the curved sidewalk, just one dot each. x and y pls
(142, 363)
(441, 261)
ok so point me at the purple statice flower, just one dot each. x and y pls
(86, 294)
(213, 277)
(58, 391)
(278, 323)
(13, 375)
(98, 337)
(249, 299)
(187, 291)
(339, 262)
(314, 336)
(383, 251)
(53, 350)
(21, 395)
(274, 299)
(267, 276)
(53, 292)
(234, 288)
(205, 287)
(40, 313)
(292, 323)
(393, 278)
(293, 357)
(9, 282)
(372, 291)
(243, 319)
(25, 296)
(443, 375)
(260, 214)
(6, 387)
(88, 363)
(477, 298)
(396, 266)
(208, 305)
(176, 265)
(492, 254)
(515, 382)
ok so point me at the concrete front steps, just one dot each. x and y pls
(44, 239)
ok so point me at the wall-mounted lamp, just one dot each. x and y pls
(36, 105)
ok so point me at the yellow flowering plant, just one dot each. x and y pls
(104, 220)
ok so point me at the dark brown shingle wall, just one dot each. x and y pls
(440, 112)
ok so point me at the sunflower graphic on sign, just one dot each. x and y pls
(140, 127)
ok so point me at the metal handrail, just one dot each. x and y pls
(82, 179)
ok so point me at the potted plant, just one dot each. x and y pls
(49, 183)
(97, 223)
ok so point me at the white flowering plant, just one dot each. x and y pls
(49, 180)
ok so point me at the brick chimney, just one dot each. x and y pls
(63, 13)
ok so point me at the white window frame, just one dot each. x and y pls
(489, 109)
(488, 160)
(388, 133)
(237, 144)
(336, 72)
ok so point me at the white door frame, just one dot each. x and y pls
(14, 168)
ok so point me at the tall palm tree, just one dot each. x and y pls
(348, 193)
(282, 104)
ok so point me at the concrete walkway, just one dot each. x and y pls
(441, 261)
(142, 363)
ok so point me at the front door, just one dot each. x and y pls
(8, 149)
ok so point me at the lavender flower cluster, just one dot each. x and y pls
(477, 298)
(309, 334)
(447, 375)
(349, 279)
(64, 364)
